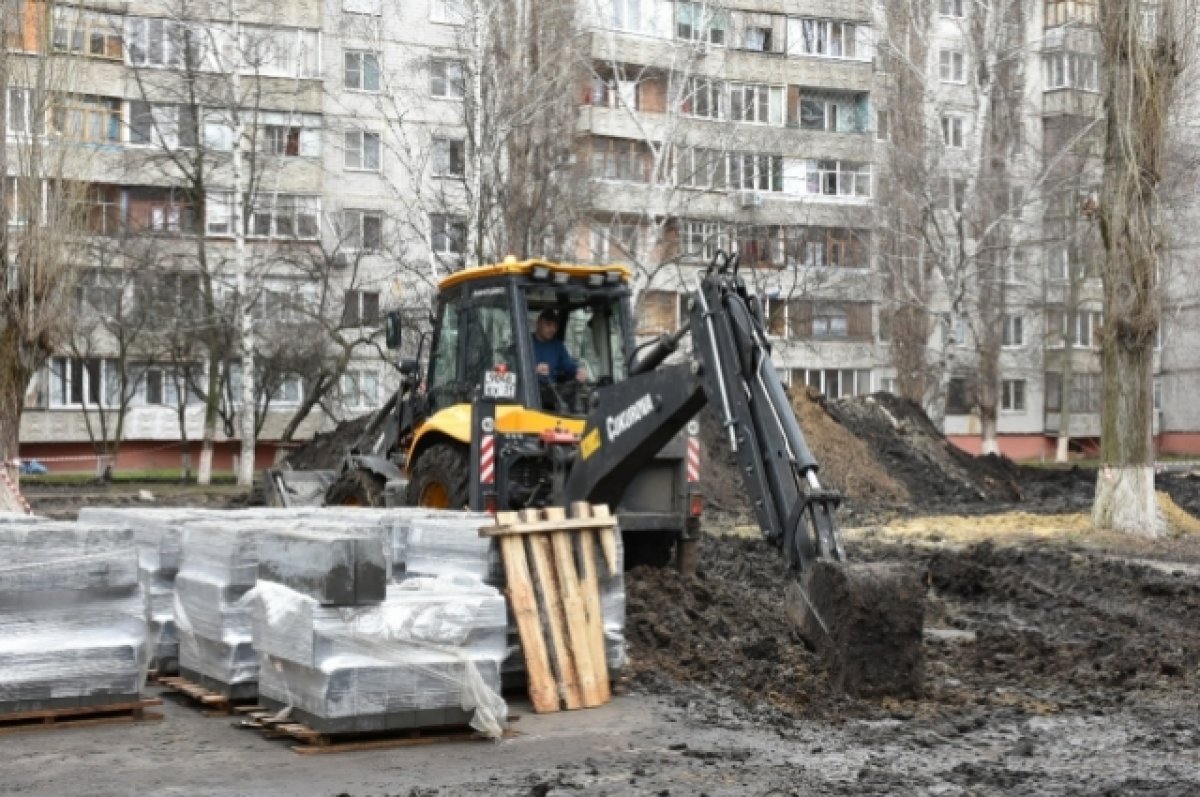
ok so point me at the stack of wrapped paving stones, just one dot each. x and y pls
(345, 651)
(220, 565)
(159, 537)
(72, 627)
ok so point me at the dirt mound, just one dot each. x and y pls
(326, 449)
(909, 447)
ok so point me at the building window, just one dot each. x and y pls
(1012, 395)
(449, 12)
(700, 240)
(953, 196)
(284, 216)
(289, 135)
(620, 159)
(449, 157)
(361, 309)
(828, 247)
(700, 168)
(363, 230)
(1066, 70)
(152, 42)
(449, 234)
(951, 8)
(371, 7)
(840, 113)
(960, 396)
(76, 382)
(1014, 267)
(279, 52)
(658, 313)
(1060, 12)
(837, 179)
(952, 66)
(362, 151)
(87, 118)
(87, 33)
(359, 389)
(17, 112)
(705, 99)
(446, 79)
(360, 71)
(952, 131)
(756, 103)
(749, 172)
(828, 38)
(834, 382)
(1087, 328)
(699, 22)
(166, 126)
(1014, 332)
(617, 242)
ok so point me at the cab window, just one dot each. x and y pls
(487, 322)
(443, 372)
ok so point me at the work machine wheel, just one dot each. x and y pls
(439, 478)
(356, 488)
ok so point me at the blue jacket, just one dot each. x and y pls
(554, 354)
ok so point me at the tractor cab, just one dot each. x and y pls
(488, 339)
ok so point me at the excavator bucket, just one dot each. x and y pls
(865, 621)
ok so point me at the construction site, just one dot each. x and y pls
(1056, 659)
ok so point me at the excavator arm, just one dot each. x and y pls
(733, 375)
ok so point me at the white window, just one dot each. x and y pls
(446, 79)
(17, 116)
(289, 391)
(837, 179)
(841, 113)
(1066, 70)
(751, 172)
(706, 99)
(360, 71)
(1014, 331)
(363, 230)
(700, 22)
(87, 33)
(450, 12)
(167, 126)
(448, 157)
(1012, 395)
(285, 216)
(700, 168)
(218, 132)
(951, 8)
(76, 382)
(626, 15)
(756, 103)
(954, 196)
(359, 389)
(1014, 267)
(828, 38)
(448, 234)
(952, 131)
(152, 42)
(617, 242)
(952, 66)
(280, 52)
(289, 135)
(834, 382)
(362, 151)
(701, 239)
(218, 213)
(360, 308)
(372, 7)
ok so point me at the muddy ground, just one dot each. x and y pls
(1058, 660)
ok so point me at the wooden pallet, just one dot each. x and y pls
(313, 742)
(553, 589)
(80, 716)
(214, 702)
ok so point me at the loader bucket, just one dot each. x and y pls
(286, 487)
(865, 621)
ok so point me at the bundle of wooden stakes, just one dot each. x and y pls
(550, 565)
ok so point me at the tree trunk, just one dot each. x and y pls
(989, 443)
(209, 434)
(13, 379)
(1140, 74)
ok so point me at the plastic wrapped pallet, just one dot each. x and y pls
(429, 654)
(332, 565)
(436, 546)
(72, 624)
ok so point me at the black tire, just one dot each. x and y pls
(439, 478)
(356, 488)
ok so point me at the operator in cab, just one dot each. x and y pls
(554, 362)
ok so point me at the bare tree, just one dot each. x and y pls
(41, 209)
(1141, 68)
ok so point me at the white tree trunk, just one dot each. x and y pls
(989, 444)
(1062, 452)
(1126, 502)
(245, 470)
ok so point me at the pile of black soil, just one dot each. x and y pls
(327, 449)
(1039, 627)
(1184, 489)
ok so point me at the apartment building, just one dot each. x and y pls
(748, 128)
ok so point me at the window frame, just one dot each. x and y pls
(362, 150)
(448, 81)
(948, 59)
(364, 58)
